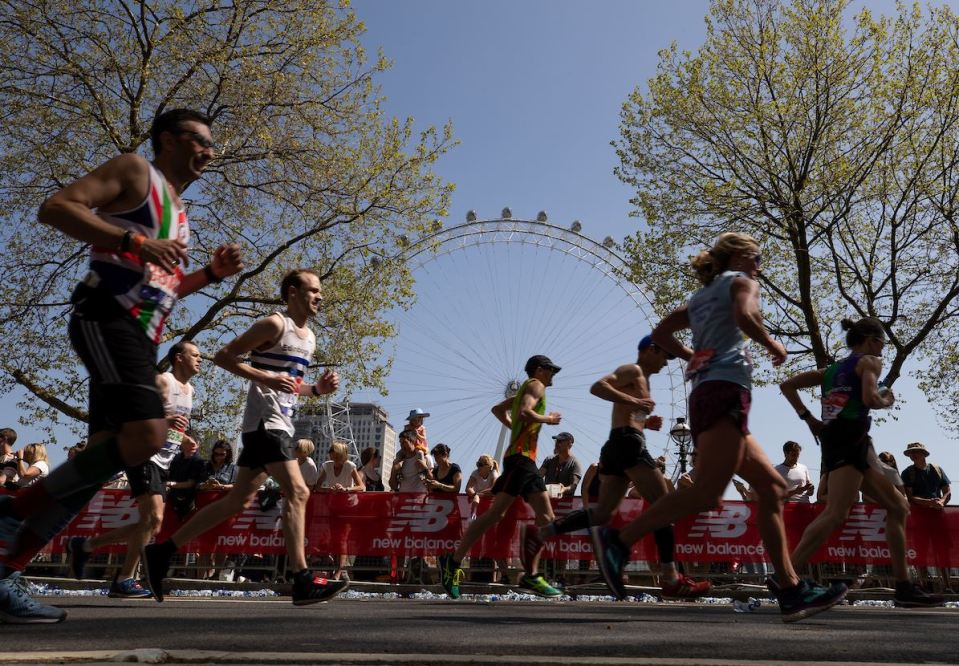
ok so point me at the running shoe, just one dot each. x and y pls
(910, 595)
(531, 543)
(612, 557)
(78, 556)
(316, 589)
(18, 607)
(686, 588)
(156, 561)
(805, 600)
(450, 576)
(539, 585)
(128, 589)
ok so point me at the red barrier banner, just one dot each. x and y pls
(408, 524)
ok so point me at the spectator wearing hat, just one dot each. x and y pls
(414, 424)
(562, 469)
(928, 486)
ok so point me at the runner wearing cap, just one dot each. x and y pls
(524, 414)
(722, 315)
(850, 388)
(625, 458)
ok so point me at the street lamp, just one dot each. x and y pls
(683, 436)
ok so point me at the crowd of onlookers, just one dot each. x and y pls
(417, 468)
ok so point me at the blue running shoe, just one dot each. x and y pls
(18, 607)
(128, 589)
(78, 556)
(612, 557)
(805, 600)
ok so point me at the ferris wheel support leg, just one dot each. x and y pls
(501, 444)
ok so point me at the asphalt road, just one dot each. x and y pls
(439, 627)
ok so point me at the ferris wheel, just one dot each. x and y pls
(490, 294)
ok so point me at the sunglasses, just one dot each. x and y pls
(482, 464)
(199, 138)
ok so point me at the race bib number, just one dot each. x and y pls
(832, 404)
(699, 363)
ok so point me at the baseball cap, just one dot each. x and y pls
(540, 361)
(564, 435)
(647, 341)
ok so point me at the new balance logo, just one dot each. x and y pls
(864, 524)
(727, 523)
(418, 516)
(254, 519)
(108, 511)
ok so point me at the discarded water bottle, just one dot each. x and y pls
(747, 606)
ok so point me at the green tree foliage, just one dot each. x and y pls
(831, 138)
(310, 172)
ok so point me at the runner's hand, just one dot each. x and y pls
(178, 422)
(553, 418)
(283, 383)
(167, 254)
(654, 422)
(646, 404)
(226, 260)
(328, 383)
(778, 352)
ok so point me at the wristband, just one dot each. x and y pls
(211, 277)
(804, 414)
(314, 391)
(125, 240)
(136, 243)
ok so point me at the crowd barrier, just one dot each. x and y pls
(399, 524)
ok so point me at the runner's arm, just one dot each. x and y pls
(501, 411)
(262, 333)
(124, 179)
(868, 369)
(664, 335)
(749, 318)
(608, 387)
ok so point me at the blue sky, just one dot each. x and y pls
(534, 89)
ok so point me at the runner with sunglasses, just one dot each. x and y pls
(721, 315)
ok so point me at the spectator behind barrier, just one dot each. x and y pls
(370, 471)
(447, 476)
(410, 469)
(338, 474)
(220, 471)
(799, 487)
(415, 425)
(304, 456)
(32, 464)
(562, 470)
(8, 461)
(187, 470)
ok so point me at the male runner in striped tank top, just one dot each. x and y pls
(280, 348)
(524, 415)
(129, 211)
(148, 482)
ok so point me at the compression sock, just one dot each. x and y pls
(90, 468)
(572, 522)
(665, 544)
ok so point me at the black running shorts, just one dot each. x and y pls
(845, 442)
(147, 479)
(625, 449)
(520, 477)
(263, 447)
(120, 358)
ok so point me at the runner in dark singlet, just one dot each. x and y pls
(850, 389)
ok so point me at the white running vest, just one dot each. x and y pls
(290, 355)
(177, 401)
